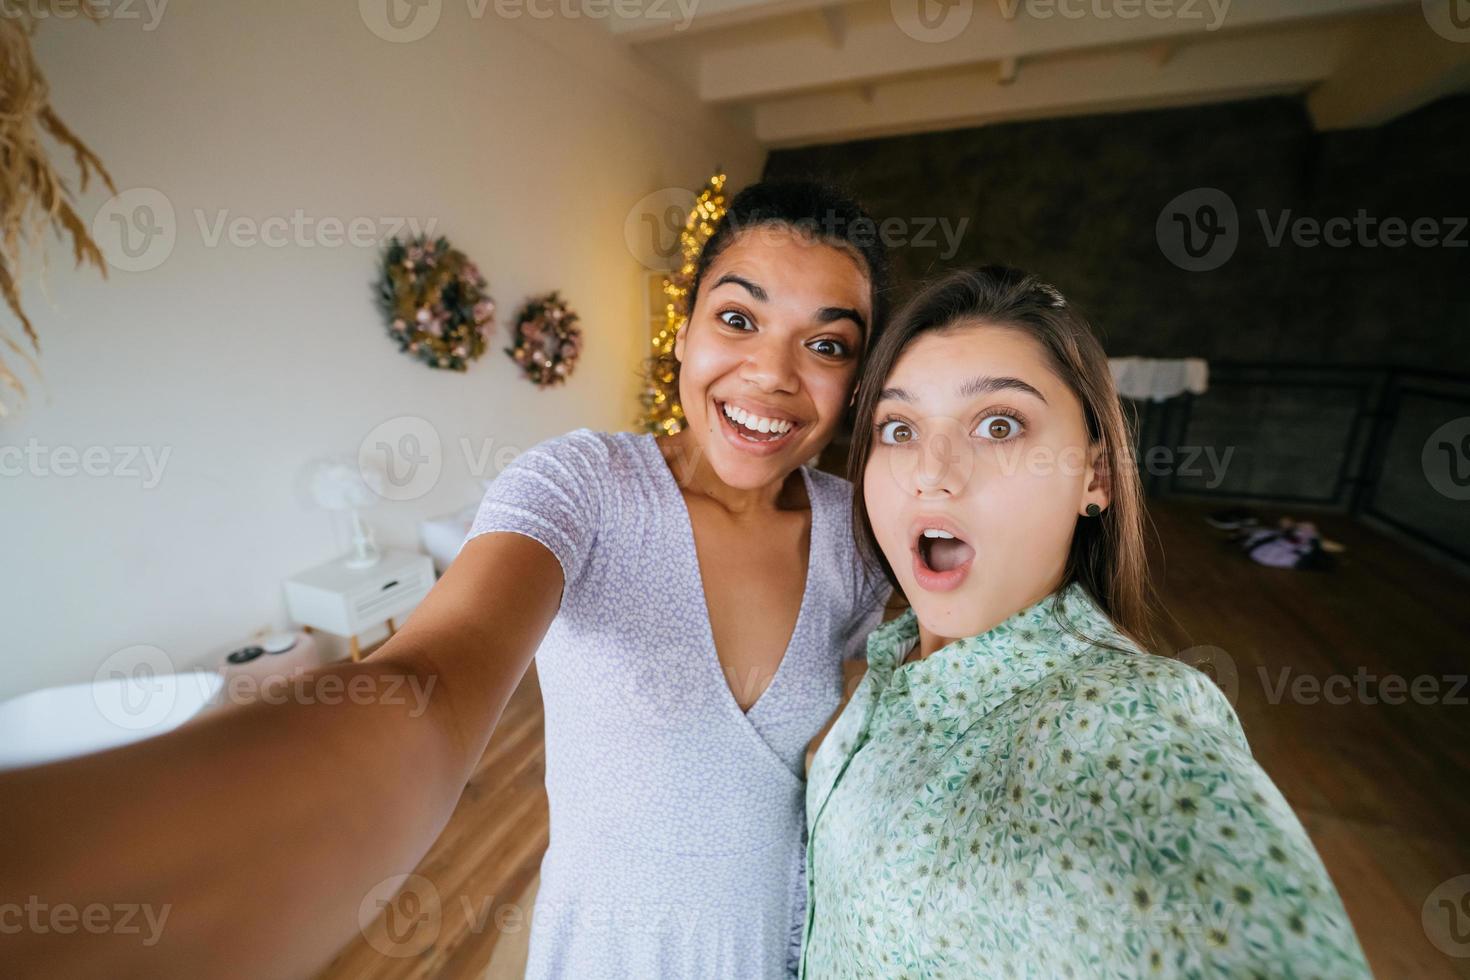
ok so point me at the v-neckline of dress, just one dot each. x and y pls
(692, 554)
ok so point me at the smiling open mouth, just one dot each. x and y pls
(941, 551)
(753, 428)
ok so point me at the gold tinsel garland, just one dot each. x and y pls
(660, 398)
(33, 196)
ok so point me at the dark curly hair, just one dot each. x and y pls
(821, 210)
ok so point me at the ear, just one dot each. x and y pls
(1098, 480)
(679, 342)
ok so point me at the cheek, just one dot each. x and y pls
(884, 502)
(1030, 486)
(1048, 475)
(830, 388)
(1029, 501)
(705, 360)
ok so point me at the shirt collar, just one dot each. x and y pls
(963, 680)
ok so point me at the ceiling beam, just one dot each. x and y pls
(1397, 65)
(659, 20)
(836, 25)
(1227, 68)
(750, 65)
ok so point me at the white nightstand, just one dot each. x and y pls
(347, 601)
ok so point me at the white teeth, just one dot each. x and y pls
(756, 423)
(934, 532)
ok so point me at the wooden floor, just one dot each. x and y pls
(1384, 789)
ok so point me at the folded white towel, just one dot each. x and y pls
(1158, 378)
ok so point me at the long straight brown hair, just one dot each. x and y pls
(1108, 554)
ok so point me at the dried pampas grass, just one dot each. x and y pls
(33, 195)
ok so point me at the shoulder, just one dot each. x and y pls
(1162, 683)
(831, 484)
(833, 494)
(569, 478)
(564, 491)
(586, 454)
(1139, 698)
(584, 442)
(1145, 759)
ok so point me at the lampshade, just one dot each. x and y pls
(339, 483)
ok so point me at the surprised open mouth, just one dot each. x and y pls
(942, 551)
(942, 559)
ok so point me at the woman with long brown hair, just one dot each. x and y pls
(1016, 787)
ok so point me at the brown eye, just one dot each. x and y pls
(999, 428)
(895, 433)
(829, 347)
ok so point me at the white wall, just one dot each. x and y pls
(529, 140)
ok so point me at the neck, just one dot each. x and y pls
(696, 477)
(929, 642)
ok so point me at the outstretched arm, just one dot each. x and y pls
(244, 843)
(1177, 839)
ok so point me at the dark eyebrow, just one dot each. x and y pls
(750, 287)
(831, 314)
(827, 314)
(984, 385)
(975, 386)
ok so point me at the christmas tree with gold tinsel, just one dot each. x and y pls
(662, 413)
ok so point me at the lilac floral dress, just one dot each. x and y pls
(677, 820)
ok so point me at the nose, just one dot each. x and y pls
(938, 473)
(770, 366)
(941, 462)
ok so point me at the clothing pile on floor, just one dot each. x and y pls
(1290, 544)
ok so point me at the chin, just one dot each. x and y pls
(953, 616)
(974, 608)
(744, 474)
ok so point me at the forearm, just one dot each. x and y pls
(240, 845)
(250, 839)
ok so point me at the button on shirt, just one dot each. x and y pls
(1047, 800)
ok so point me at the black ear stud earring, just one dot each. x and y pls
(1093, 510)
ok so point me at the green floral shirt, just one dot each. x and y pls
(1029, 803)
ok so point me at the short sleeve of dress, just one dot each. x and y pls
(873, 593)
(553, 493)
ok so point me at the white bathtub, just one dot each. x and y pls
(78, 719)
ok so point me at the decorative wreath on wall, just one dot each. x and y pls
(547, 340)
(435, 302)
